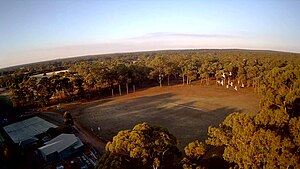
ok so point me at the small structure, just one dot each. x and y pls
(61, 147)
(25, 132)
(58, 108)
(223, 75)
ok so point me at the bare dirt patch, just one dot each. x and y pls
(186, 111)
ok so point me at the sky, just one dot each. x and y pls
(38, 30)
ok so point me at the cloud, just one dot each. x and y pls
(181, 35)
(146, 42)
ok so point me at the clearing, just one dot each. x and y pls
(186, 111)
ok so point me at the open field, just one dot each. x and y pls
(186, 111)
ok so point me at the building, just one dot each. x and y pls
(25, 132)
(61, 147)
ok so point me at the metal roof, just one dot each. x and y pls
(27, 129)
(60, 143)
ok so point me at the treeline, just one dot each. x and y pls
(61, 64)
(115, 74)
(267, 139)
(81, 81)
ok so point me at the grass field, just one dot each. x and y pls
(186, 111)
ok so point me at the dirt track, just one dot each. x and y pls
(84, 135)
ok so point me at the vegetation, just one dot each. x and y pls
(97, 75)
(68, 119)
(144, 146)
(5, 104)
(267, 139)
(194, 153)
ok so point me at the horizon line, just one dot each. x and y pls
(139, 51)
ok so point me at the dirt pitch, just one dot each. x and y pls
(186, 111)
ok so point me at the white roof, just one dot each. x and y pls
(60, 143)
(26, 129)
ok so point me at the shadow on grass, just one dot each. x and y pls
(185, 122)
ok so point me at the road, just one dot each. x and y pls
(90, 138)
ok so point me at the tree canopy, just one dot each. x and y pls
(144, 146)
(270, 138)
(88, 77)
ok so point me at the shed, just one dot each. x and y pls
(27, 129)
(61, 147)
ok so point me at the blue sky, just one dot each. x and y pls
(35, 30)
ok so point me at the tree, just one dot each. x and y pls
(90, 74)
(280, 89)
(30, 88)
(24, 94)
(78, 83)
(68, 119)
(269, 139)
(17, 95)
(170, 67)
(194, 151)
(158, 65)
(181, 62)
(144, 145)
(251, 146)
(113, 161)
(67, 87)
(242, 74)
(5, 104)
(204, 72)
(120, 74)
(44, 91)
(190, 70)
(56, 83)
(138, 73)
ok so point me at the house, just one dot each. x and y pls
(61, 147)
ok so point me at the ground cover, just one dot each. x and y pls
(186, 111)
